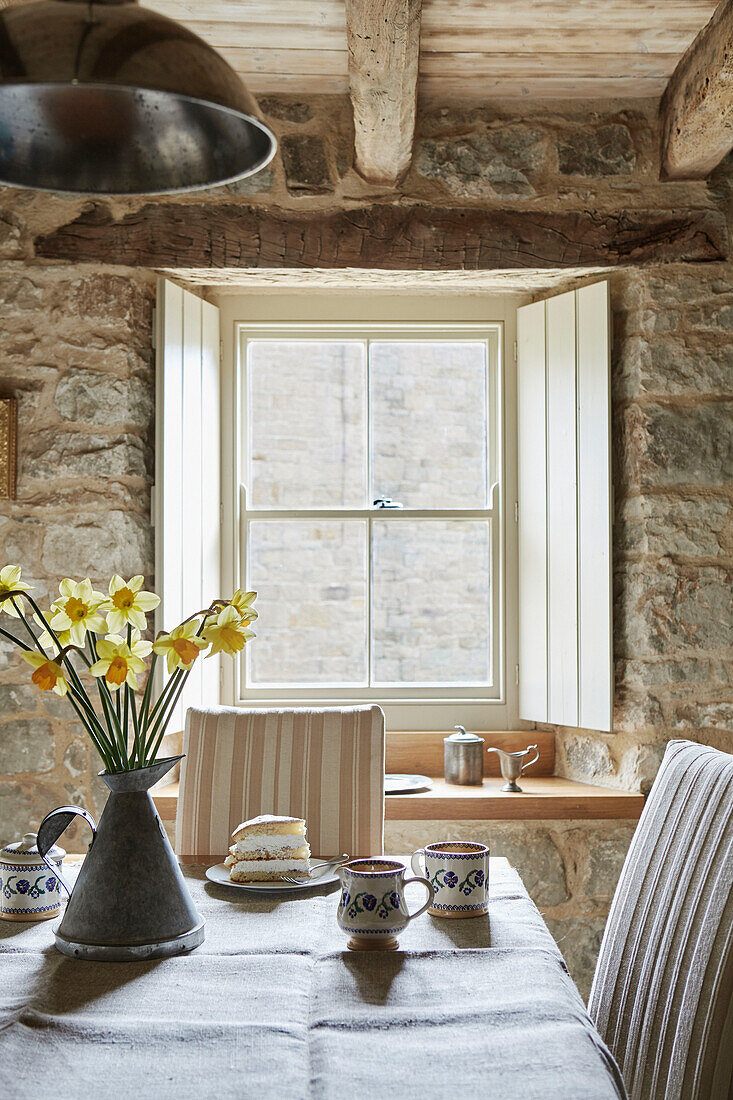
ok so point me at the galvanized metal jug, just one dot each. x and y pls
(130, 900)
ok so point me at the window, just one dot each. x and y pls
(370, 523)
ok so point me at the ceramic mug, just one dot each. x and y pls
(372, 909)
(458, 872)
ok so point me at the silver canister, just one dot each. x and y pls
(463, 758)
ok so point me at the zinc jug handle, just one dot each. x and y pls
(534, 759)
(51, 828)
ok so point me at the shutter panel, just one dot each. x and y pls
(563, 389)
(187, 488)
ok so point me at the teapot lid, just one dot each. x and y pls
(463, 737)
(26, 851)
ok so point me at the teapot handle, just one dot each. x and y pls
(534, 759)
(51, 828)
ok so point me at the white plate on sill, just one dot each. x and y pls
(219, 874)
(406, 784)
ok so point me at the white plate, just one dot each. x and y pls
(219, 874)
(406, 784)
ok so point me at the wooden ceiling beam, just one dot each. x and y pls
(384, 238)
(384, 48)
(697, 107)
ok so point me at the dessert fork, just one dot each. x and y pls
(335, 861)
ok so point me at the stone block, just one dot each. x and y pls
(16, 698)
(670, 366)
(579, 939)
(83, 455)
(258, 184)
(284, 109)
(605, 151)
(76, 758)
(305, 163)
(22, 808)
(606, 855)
(532, 851)
(639, 765)
(689, 446)
(94, 397)
(98, 546)
(663, 525)
(504, 161)
(671, 609)
(587, 758)
(26, 745)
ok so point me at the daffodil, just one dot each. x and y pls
(227, 632)
(181, 647)
(49, 676)
(119, 662)
(242, 602)
(127, 604)
(10, 584)
(77, 610)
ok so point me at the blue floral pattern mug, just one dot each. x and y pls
(458, 872)
(372, 909)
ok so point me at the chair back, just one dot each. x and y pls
(662, 994)
(326, 766)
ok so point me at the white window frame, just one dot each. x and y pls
(482, 317)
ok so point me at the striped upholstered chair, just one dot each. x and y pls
(662, 995)
(324, 765)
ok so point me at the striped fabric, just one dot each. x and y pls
(662, 995)
(326, 766)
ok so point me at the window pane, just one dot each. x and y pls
(431, 601)
(310, 578)
(429, 446)
(306, 423)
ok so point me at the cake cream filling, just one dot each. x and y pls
(269, 842)
(269, 866)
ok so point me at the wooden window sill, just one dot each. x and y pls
(546, 797)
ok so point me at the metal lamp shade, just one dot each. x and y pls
(110, 98)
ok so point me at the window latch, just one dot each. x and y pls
(386, 502)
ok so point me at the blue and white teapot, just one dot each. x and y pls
(28, 889)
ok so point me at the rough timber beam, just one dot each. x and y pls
(697, 107)
(384, 49)
(385, 238)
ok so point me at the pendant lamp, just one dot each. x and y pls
(107, 97)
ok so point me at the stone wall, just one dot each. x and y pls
(76, 350)
(672, 387)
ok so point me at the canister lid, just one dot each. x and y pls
(463, 737)
(26, 851)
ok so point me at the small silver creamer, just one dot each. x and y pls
(463, 758)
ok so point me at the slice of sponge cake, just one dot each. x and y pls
(269, 848)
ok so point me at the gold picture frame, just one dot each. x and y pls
(8, 447)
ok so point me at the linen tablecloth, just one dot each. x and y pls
(272, 1005)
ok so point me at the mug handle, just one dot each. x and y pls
(415, 863)
(428, 886)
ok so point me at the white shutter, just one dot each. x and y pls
(563, 388)
(187, 477)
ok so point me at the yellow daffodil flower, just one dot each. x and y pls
(128, 604)
(227, 632)
(181, 646)
(77, 610)
(120, 663)
(242, 602)
(49, 676)
(10, 583)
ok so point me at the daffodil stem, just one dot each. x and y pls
(145, 703)
(161, 706)
(108, 761)
(26, 624)
(12, 638)
(108, 707)
(165, 720)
